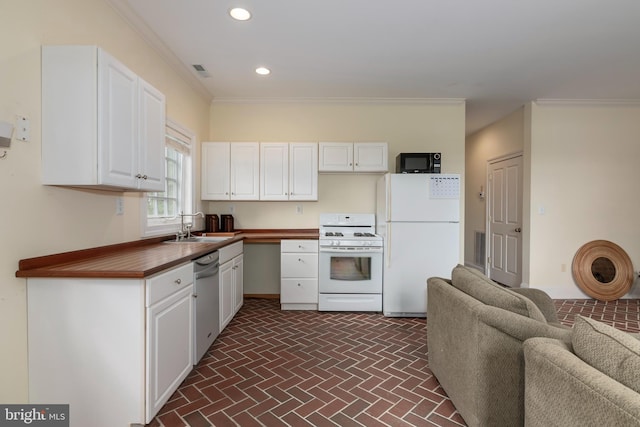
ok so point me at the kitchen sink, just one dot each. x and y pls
(200, 239)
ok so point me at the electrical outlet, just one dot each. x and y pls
(563, 267)
(23, 128)
(298, 209)
(119, 206)
(232, 209)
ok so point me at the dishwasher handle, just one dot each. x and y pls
(210, 270)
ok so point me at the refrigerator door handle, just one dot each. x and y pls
(388, 248)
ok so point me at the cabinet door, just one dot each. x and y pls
(274, 171)
(151, 170)
(226, 294)
(245, 171)
(215, 171)
(370, 157)
(238, 282)
(303, 171)
(117, 123)
(169, 347)
(336, 156)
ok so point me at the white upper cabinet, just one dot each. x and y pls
(370, 157)
(230, 171)
(215, 170)
(289, 171)
(353, 157)
(274, 171)
(245, 171)
(102, 125)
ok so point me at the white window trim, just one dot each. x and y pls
(176, 130)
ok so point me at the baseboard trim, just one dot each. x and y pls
(263, 296)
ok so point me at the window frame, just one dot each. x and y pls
(187, 138)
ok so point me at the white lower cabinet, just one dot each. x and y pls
(299, 275)
(113, 349)
(231, 282)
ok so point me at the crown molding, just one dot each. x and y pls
(588, 102)
(125, 11)
(346, 100)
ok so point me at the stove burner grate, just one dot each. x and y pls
(334, 234)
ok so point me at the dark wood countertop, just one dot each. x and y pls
(142, 258)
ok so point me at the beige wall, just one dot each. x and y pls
(584, 185)
(405, 127)
(504, 137)
(39, 220)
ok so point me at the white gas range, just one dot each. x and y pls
(350, 264)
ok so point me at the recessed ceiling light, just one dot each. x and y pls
(240, 14)
(263, 71)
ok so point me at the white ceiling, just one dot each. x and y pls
(496, 54)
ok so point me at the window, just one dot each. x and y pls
(161, 210)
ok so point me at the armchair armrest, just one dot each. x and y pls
(541, 300)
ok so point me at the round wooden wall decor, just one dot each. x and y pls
(603, 270)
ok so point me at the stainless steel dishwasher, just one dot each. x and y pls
(206, 295)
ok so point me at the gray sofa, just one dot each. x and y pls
(594, 381)
(475, 335)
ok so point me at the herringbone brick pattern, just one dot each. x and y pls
(305, 368)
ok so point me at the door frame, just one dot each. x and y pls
(488, 200)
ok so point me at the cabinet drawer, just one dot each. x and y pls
(298, 246)
(299, 265)
(299, 291)
(229, 252)
(165, 284)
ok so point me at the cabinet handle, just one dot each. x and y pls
(138, 176)
(178, 281)
(299, 284)
(144, 177)
(300, 260)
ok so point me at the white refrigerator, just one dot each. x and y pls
(418, 216)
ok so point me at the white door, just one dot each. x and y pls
(117, 123)
(226, 294)
(151, 171)
(245, 171)
(336, 156)
(370, 157)
(215, 171)
(274, 171)
(505, 221)
(238, 282)
(303, 171)
(170, 346)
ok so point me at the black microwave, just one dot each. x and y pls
(418, 163)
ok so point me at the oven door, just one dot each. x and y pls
(350, 270)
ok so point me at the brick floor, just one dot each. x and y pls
(308, 368)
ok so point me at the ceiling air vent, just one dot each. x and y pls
(201, 70)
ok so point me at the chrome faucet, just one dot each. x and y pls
(181, 234)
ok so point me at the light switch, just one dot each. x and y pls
(119, 206)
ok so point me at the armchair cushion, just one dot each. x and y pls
(609, 350)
